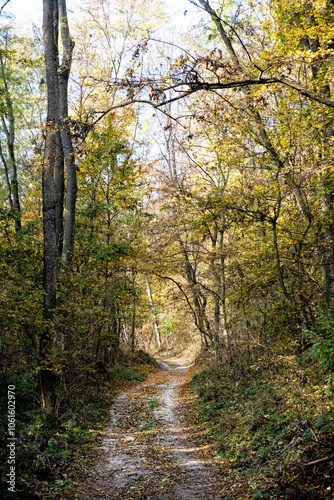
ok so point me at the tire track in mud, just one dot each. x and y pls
(149, 450)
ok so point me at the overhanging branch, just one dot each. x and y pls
(3, 6)
(232, 84)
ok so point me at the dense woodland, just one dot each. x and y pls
(161, 190)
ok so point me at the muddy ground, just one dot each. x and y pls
(153, 447)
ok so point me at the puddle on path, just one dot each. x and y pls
(150, 454)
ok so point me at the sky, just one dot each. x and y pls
(30, 11)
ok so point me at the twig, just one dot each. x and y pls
(321, 443)
(319, 461)
(3, 6)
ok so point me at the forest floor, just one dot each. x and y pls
(153, 446)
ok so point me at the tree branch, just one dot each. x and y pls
(185, 295)
(198, 86)
(3, 6)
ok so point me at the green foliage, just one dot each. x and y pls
(237, 220)
(43, 447)
(150, 423)
(125, 373)
(167, 325)
(95, 298)
(264, 428)
(322, 339)
(154, 403)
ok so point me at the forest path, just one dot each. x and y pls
(152, 448)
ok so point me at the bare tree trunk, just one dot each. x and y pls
(6, 169)
(59, 193)
(133, 322)
(199, 298)
(71, 178)
(10, 165)
(288, 297)
(46, 375)
(133, 326)
(155, 319)
(327, 239)
(58, 146)
(223, 286)
(50, 154)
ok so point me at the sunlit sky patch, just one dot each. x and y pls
(28, 12)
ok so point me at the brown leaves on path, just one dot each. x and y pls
(153, 448)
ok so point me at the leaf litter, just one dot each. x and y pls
(153, 447)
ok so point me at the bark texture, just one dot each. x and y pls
(71, 181)
(10, 165)
(58, 148)
(46, 376)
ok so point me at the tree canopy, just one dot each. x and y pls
(161, 190)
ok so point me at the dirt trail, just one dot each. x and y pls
(151, 449)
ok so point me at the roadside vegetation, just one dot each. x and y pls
(163, 191)
(269, 414)
(51, 456)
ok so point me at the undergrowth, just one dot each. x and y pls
(274, 428)
(50, 454)
(122, 372)
(151, 420)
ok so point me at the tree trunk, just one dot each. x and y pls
(133, 321)
(50, 155)
(46, 375)
(10, 165)
(327, 239)
(155, 319)
(59, 193)
(6, 169)
(327, 247)
(199, 298)
(71, 179)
